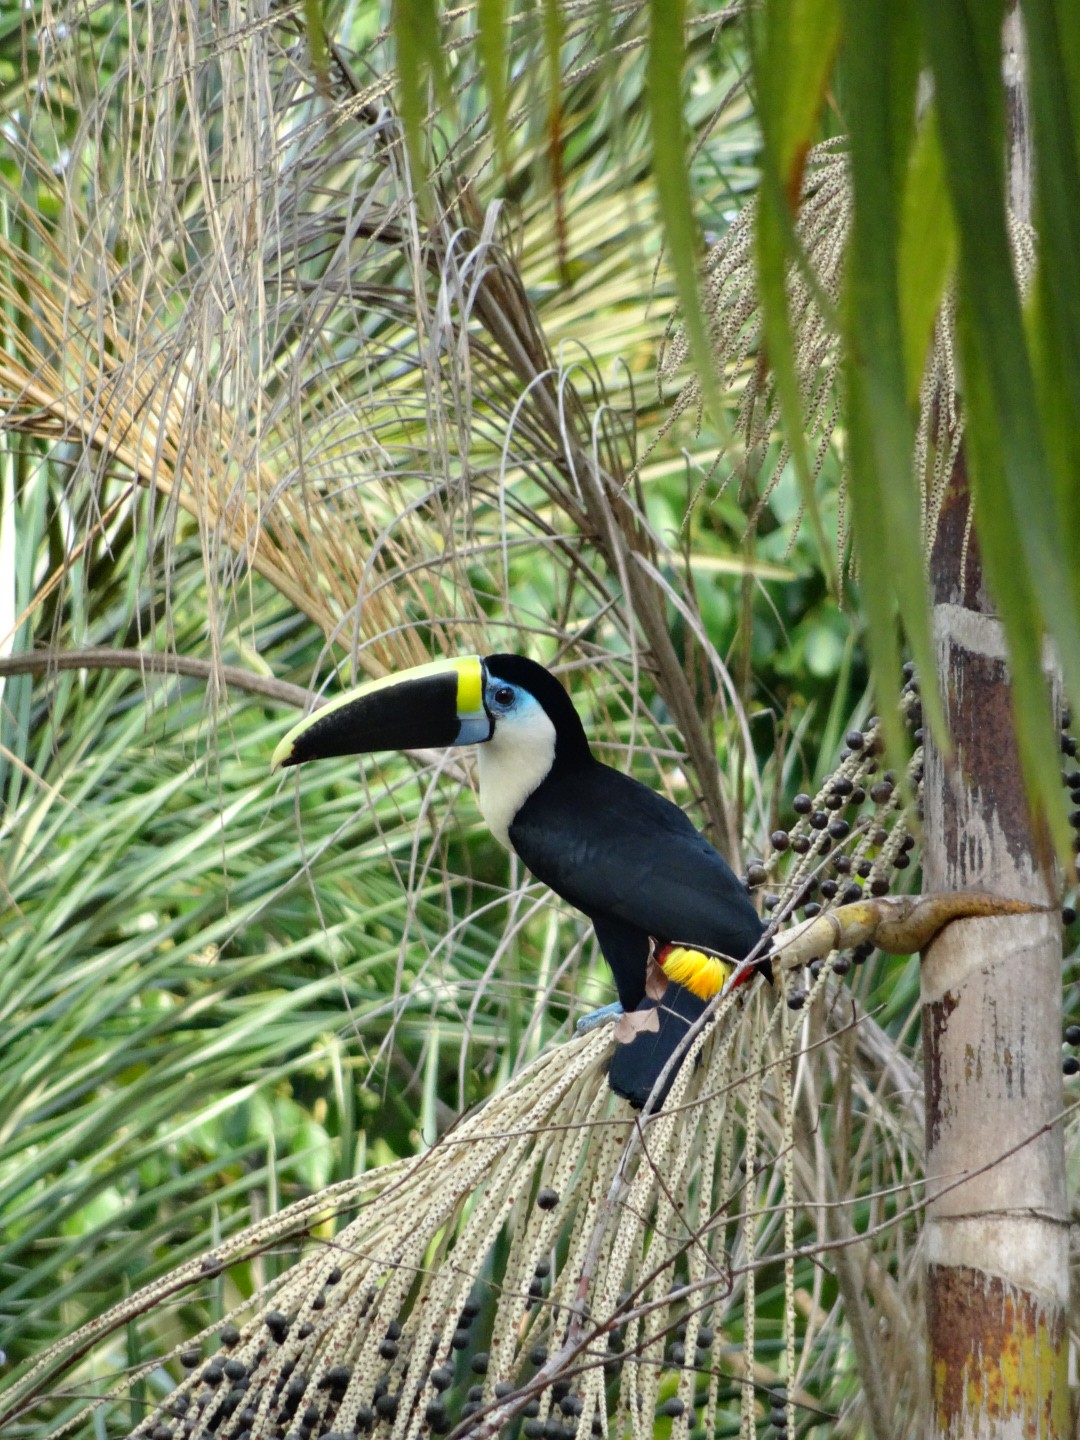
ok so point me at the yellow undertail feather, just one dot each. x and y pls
(703, 975)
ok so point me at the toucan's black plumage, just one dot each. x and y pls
(620, 853)
(632, 862)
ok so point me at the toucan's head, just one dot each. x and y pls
(465, 701)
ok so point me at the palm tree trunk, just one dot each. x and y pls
(996, 1243)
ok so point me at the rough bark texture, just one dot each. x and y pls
(997, 1243)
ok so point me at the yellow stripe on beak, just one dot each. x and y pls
(470, 685)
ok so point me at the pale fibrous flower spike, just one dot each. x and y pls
(731, 301)
(538, 1260)
(557, 1259)
(613, 1236)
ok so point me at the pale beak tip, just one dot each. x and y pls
(283, 755)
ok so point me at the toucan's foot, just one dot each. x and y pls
(598, 1017)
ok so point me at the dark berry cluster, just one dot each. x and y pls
(1070, 1064)
(849, 839)
(1071, 780)
(778, 1412)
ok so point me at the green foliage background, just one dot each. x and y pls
(219, 991)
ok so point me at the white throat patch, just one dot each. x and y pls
(516, 759)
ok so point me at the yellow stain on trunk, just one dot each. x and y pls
(1000, 1356)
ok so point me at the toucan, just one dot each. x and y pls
(671, 917)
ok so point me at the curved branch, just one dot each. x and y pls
(158, 662)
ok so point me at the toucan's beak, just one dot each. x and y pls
(441, 703)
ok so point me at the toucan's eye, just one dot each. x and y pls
(504, 695)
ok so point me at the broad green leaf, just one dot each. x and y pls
(928, 248)
(419, 59)
(1055, 108)
(800, 39)
(1005, 403)
(791, 38)
(875, 547)
(316, 37)
(880, 40)
(491, 34)
(671, 173)
(553, 39)
(773, 229)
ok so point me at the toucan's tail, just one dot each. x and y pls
(637, 1062)
(636, 1065)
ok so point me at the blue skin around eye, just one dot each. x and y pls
(521, 704)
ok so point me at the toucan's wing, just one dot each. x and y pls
(614, 848)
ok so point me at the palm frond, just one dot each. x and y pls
(249, 382)
(814, 293)
(537, 1260)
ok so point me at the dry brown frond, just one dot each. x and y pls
(358, 401)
